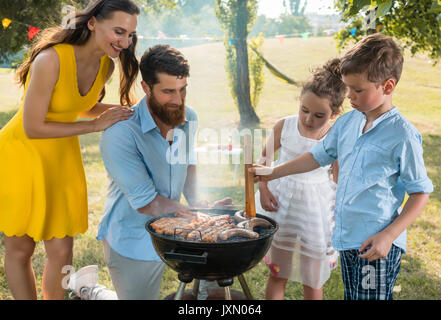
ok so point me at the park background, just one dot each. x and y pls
(417, 96)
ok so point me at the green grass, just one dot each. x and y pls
(417, 97)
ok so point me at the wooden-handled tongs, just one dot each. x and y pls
(250, 204)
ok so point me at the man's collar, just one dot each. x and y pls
(147, 121)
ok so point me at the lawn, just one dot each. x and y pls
(417, 97)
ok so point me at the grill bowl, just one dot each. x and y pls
(212, 261)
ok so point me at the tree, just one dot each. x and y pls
(294, 8)
(295, 20)
(237, 18)
(268, 26)
(416, 23)
(289, 24)
(42, 14)
(190, 7)
(156, 5)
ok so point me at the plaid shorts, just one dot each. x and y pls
(375, 280)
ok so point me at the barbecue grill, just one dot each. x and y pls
(221, 261)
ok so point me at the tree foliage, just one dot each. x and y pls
(194, 18)
(42, 14)
(256, 65)
(292, 24)
(190, 7)
(416, 23)
(294, 7)
(158, 5)
(284, 24)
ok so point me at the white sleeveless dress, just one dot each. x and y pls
(301, 249)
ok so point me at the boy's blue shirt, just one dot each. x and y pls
(377, 168)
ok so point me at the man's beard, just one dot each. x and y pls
(169, 117)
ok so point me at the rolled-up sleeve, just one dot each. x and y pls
(325, 152)
(124, 164)
(413, 172)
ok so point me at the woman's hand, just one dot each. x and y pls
(110, 117)
(267, 199)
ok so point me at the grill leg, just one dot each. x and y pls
(196, 288)
(245, 288)
(180, 292)
(227, 293)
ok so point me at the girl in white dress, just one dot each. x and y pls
(303, 204)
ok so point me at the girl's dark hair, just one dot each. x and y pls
(100, 9)
(326, 82)
(163, 58)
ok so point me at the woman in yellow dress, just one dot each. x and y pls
(43, 192)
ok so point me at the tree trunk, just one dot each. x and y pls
(248, 116)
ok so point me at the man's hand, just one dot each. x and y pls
(219, 204)
(223, 204)
(161, 205)
(380, 246)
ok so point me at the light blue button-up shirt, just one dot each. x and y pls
(141, 164)
(377, 168)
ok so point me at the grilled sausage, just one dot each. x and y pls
(208, 226)
(254, 222)
(162, 224)
(238, 232)
(239, 216)
(214, 232)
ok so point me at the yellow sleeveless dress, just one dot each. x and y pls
(43, 190)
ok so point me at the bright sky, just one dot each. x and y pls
(273, 8)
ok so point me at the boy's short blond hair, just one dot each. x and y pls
(377, 55)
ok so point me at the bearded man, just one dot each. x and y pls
(145, 178)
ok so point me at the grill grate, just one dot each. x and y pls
(263, 232)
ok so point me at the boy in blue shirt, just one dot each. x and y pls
(381, 158)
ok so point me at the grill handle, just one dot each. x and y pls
(180, 255)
